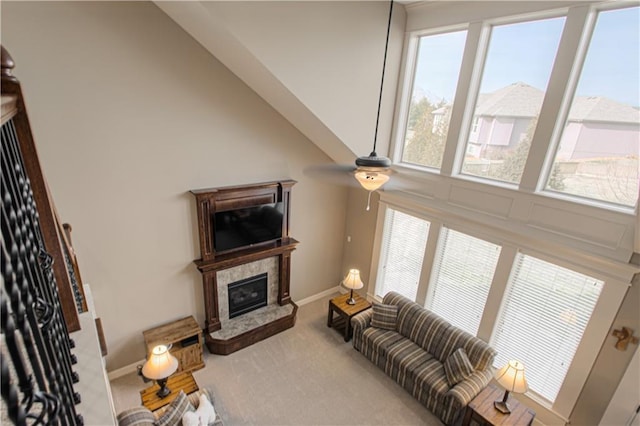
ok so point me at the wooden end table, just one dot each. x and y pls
(176, 383)
(481, 411)
(345, 312)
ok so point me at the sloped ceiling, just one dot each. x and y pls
(317, 63)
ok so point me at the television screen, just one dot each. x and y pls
(247, 226)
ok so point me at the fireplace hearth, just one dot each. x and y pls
(247, 295)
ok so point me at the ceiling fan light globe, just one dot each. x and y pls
(371, 180)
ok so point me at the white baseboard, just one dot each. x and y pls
(123, 371)
(320, 295)
(132, 368)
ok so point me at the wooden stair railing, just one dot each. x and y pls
(39, 300)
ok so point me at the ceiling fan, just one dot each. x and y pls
(372, 171)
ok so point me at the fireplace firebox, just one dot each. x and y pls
(247, 295)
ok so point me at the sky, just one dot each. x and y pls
(525, 52)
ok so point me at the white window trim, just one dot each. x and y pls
(595, 333)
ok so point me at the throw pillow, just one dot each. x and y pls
(138, 416)
(458, 367)
(384, 316)
(206, 413)
(176, 410)
(190, 418)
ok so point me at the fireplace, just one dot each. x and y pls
(247, 295)
(229, 328)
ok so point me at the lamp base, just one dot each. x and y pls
(164, 391)
(351, 300)
(502, 406)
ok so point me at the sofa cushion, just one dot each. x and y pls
(173, 415)
(376, 341)
(458, 367)
(402, 357)
(424, 328)
(451, 339)
(429, 380)
(384, 316)
(479, 352)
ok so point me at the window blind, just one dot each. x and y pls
(463, 272)
(403, 244)
(544, 315)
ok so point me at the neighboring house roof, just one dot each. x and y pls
(516, 100)
(597, 108)
(521, 100)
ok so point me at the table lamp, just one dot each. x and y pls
(511, 378)
(353, 282)
(160, 365)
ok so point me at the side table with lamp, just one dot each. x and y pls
(161, 367)
(347, 305)
(492, 405)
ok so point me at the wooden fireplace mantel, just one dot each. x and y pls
(219, 199)
(246, 256)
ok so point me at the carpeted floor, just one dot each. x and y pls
(306, 375)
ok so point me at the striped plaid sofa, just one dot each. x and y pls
(415, 352)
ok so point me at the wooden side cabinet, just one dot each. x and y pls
(481, 412)
(185, 338)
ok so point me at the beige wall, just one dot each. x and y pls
(129, 114)
(328, 54)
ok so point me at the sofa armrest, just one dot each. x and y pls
(359, 323)
(467, 389)
(362, 320)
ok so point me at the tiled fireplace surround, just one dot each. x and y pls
(240, 272)
(224, 335)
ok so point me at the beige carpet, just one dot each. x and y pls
(306, 375)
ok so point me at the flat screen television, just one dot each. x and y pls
(245, 227)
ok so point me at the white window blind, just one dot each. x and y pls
(463, 273)
(545, 312)
(403, 245)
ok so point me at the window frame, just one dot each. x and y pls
(578, 27)
(614, 276)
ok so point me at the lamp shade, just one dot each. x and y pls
(352, 280)
(371, 180)
(161, 364)
(511, 377)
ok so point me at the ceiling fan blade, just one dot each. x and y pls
(336, 174)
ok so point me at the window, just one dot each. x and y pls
(463, 272)
(516, 72)
(545, 312)
(434, 87)
(597, 156)
(403, 245)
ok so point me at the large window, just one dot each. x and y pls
(597, 156)
(514, 81)
(403, 245)
(432, 95)
(545, 313)
(534, 309)
(547, 102)
(461, 278)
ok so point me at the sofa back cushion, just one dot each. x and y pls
(435, 335)
(479, 352)
(422, 327)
